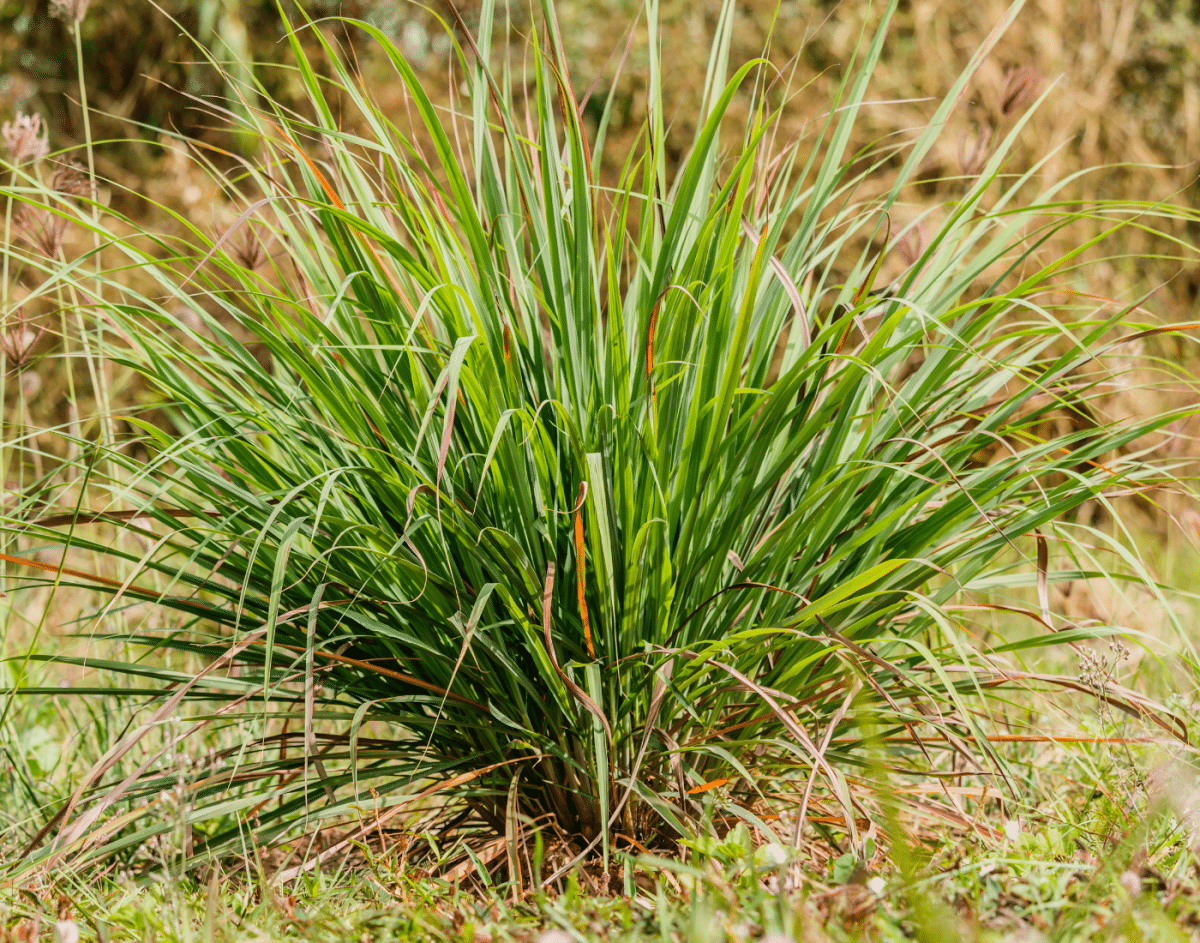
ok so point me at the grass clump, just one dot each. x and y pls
(511, 488)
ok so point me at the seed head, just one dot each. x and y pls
(25, 137)
(71, 11)
(69, 179)
(911, 244)
(1021, 85)
(247, 249)
(1093, 669)
(973, 151)
(20, 338)
(42, 229)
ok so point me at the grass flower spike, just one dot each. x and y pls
(70, 11)
(25, 138)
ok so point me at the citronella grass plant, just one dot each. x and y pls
(496, 498)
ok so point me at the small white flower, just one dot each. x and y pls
(72, 11)
(775, 854)
(66, 931)
(415, 40)
(876, 885)
(1012, 829)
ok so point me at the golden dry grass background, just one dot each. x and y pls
(1123, 79)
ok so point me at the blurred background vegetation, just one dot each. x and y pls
(1122, 108)
(1124, 80)
(1125, 73)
